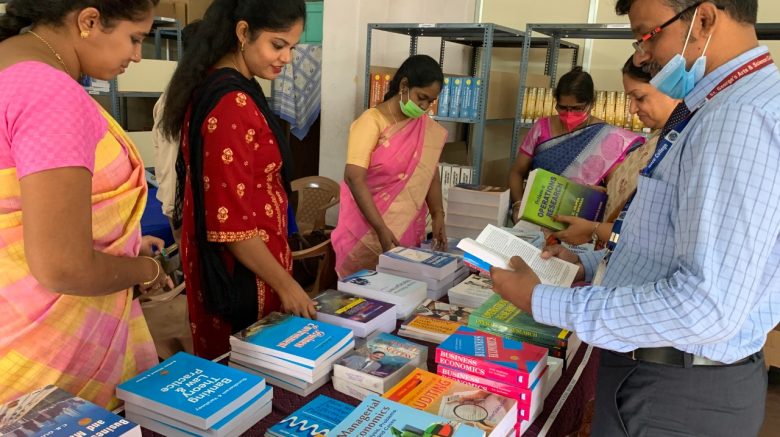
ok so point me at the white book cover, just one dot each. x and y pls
(384, 287)
(475, 288)
(495, 246)
(352, 390)
(489, 212)
(420, 262)
(480, 195)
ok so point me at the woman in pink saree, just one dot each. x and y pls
(391, 179)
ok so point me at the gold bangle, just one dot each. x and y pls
(595, 235)
(157, 275)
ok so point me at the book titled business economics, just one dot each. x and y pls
(191, 389)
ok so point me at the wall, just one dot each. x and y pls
(344, 50)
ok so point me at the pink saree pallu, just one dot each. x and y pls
(84, 345)
(399, 175)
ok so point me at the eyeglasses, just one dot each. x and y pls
(572, 108)
(639, 44)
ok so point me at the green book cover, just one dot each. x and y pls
(500, 317)
(548, 194)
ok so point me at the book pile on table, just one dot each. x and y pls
(434, 321)
(501, 366)
(471, 292)
(498, 316)
(290, 352)
(471, 207)
(404, 293)
(377, 365)
(379, 417)
(440, 271)
(360, 314)
(315, 418)
(457, 402)
(51, 411)
(186, 395)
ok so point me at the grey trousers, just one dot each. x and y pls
(638, 399)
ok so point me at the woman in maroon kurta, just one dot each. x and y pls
(234, 170)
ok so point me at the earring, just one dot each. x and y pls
(242, 46)
(84, 34)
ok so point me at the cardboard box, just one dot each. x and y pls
(772, 348)
(502, 92)
(172, 9)
(149, 76)
(196, 9)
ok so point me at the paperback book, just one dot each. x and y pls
(51, 411)
(191, 389)
(292, 338)
(495, 247)
(472, 291)
(360, 314)
(315, 418)
(453, 400)
(547, 195)
(405, 293)
(434, 321)
(379, 417)
(293, 385)
(420, 262)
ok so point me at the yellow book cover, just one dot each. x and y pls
(628, 120)
(636, 124)
(429, 324)
(609, 108)
(539, 111)
(598, 110)
(620, 109)
(524, 115)
(453, 400)
(531, 105)
(549, 103)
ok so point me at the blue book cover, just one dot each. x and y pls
(384, 286)
(456, 95)
(191, 389)
(474, 104)
(419, 261)
(444, 97)
(51, 411)
(302, 341)
(379, 417)
(315, 418)
(466, 98)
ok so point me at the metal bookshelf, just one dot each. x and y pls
(482, 37)
(554, 34)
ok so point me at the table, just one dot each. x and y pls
(582, 370)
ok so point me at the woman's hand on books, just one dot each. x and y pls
(439, 232)
(387, 239)
(515, 286)
(579, 231)
(295, 301)
(558, 251)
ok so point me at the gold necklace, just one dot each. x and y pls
(57, 55)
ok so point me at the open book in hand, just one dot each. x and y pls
(495, 246)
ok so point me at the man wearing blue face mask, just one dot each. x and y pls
(691, 285)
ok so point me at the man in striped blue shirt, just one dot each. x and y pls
(693, 285)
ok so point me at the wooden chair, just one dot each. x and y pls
(316, 194)
(324, 251)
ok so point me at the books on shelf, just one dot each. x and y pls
(456, 401)
(360, 314)
(419, 262)
(548, 194)
(472, 291)
(235, 424)
(379, 364)
(51, 411)
(405, 293)
(379, 417)
(315, 418)
(495, 246)
(291, 338)
(190, 389)
(434, 321)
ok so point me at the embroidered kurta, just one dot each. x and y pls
(244, 197)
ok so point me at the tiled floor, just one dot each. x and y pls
(772, 418)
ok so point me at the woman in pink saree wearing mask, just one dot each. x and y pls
(391, 178)
(574, 144)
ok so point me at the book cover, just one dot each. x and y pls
(620, 109)
(549, 102)
(476, 194)
(350, 307)
(453, 400)
(51, 411)
(493, 357)
(379, 417)
(304, 341)
(455, 174)
(456, 96)
(351, 389)
(532, 95)
(500, 317)
(524, 115)
(395, 289)
(474, 105)
(191, 389)
(475, 286)
(548, 194)
(513, 391)
(539, 108)
(467, 98)
(465, 175)
(375, 89)
(609, 107)
(437, 319)
(317, 417)
(444, 98)
(420, 261)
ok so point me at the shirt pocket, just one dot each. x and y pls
(648, 224)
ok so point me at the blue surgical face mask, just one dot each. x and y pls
(674, 79)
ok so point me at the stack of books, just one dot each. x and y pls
(434, 321)
(315, 418)
(455, 401)
(471, 207)
(360, 314)
(51, 411)
(379, 417)
(290, 352)
(498, 316)
(377, 365)
(186, 395)
(404, 293)
(504, 367)
(440, 271)
(471, 292)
